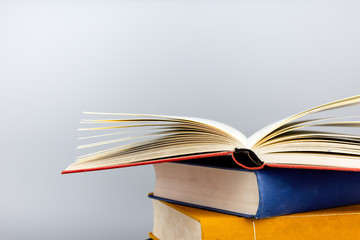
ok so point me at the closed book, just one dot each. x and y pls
(255, 194)
(172, 221)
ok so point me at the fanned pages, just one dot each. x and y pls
(304, 140)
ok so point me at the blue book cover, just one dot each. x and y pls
(286, 191)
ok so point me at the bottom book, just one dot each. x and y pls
(173, 221)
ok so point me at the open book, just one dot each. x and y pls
(304, 140)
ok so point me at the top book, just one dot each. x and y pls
(322, 137)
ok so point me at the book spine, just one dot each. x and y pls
(286, 191)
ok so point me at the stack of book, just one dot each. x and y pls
(193, 201)
(287, 181)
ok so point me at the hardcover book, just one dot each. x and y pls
(323, 137)
(172, 221)
(255, 194)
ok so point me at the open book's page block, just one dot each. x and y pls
(321, 137)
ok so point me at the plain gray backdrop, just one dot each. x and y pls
(244, 63)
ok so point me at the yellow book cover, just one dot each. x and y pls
(173, 221)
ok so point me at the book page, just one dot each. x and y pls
(328, 142)
(262, 132)
(256, 138)
(147, 137)
(243, 141)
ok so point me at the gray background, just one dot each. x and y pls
(244, 63)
